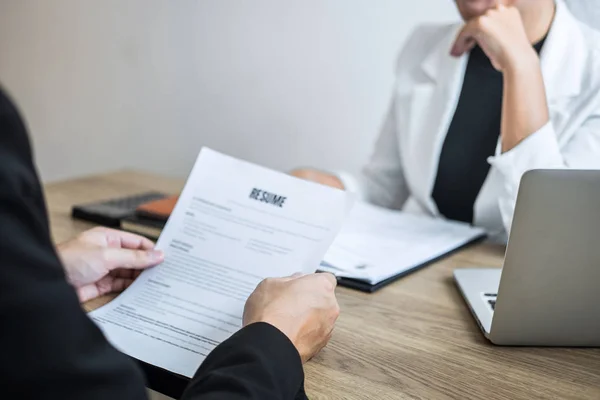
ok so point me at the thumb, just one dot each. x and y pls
(292, 277)
(132, 259)
(465, 40)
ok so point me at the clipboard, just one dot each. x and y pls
(367, 287)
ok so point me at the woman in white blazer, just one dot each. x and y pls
(476, 105)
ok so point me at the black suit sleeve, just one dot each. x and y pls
(51, 349)
(259, 363)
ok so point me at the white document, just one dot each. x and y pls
(376, 243)
(235, 224)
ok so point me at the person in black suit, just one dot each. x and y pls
(52, 350)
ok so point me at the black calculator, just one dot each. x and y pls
(111, 212)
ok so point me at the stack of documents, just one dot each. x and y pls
(377, 245)
(235, 224)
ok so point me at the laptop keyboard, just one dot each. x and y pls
(490, 299)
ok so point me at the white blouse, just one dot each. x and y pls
(403, 167)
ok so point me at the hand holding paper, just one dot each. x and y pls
(304, 308)
(103, 260)
(234, 225)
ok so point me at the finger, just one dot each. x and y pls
(110, 284)
(87, 292)
(131, 259)
(128, 240)
(126, 273)
(132, 273)
(120, 284)
(466, 39)
(132, 241)
(291, 277)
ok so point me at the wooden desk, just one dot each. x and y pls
(415, 339)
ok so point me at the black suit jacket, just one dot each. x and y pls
(49, 347)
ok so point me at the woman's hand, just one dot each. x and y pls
(102, 261)
(318, 177)
(501, 35)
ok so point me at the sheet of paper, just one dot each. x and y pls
(376, 243)
(234, 225)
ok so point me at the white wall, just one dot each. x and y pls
(587, 11)
(145, 83)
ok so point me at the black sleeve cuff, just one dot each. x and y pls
(277, 349)
(257, 362)
(275, 345)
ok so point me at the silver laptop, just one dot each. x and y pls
(548, 292)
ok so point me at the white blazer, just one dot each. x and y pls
(404, 164)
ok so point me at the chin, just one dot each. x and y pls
(470, 9)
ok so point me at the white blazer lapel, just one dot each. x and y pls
(562, 56)
(432, 106)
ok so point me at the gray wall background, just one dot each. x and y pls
(145, 83)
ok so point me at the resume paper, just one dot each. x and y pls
(234, 225)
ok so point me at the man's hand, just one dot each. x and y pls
(304, 308)
(102, 260)
(501, 35)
